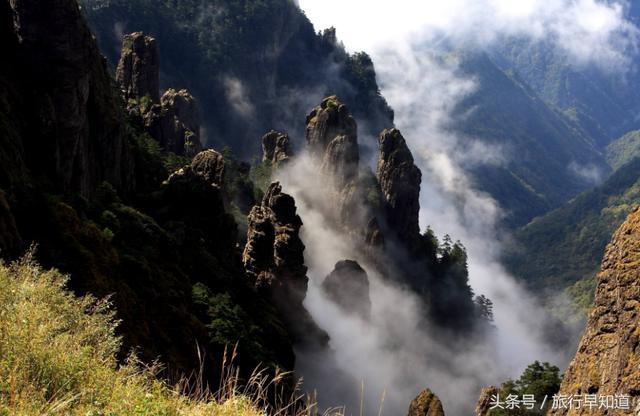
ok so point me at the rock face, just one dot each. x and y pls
(10, 240)
(274, 253)
(274, 259)
(484, 402)
(276, 148)
(332, 138)
(348, 286)
(210, 165)
(174, 123)
(426, 404)
(74, 135)
(189, 195)
(608, 357)
(138, 72)
(172, 120)
(399, 180)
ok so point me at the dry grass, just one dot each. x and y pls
(57, 356)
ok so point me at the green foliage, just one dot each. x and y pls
(538, 379)
(228, 322)
(261, 172)
(485, 308)
(169, 160)
(566, 246)
(603, 103)
(623, 150)
(538, 142)
(371, 187)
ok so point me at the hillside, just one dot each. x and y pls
(565, 246)
(603, 102)
(624, 149)
(254, 65)
(546, 155)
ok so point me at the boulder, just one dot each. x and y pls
(426, 404)
(210, 165)
(348, 286)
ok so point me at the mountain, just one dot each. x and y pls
(108, 180)
(606, 361)
(547, 158)
(253, 65)
(256, 65)
(601, 99)
(92, 190)
(564, 247)
(623, 150)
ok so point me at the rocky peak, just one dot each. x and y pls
(74, 124)
(274, 253)
(138, 72)
(608, 355)
(332, 139)
(426, 404)
(484, 401)
(348, 286)
(274, 260)
(276, 148)
(210, 165)
(399, 180)
(175, 123)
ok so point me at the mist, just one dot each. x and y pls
(389, 356)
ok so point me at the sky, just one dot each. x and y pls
(590, 30)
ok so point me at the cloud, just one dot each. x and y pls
(590, 31)
(589, 173)
(238, 97)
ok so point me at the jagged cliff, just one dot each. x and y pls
(173, 120)
(107, 187)
(379, 214)
(276, 148)
(138, 72)
(332, 142)
(608, 356)
(68, 115)
(274, 261)
(399, 180)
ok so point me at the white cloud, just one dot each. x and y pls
(589, 30)
(238, 97)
